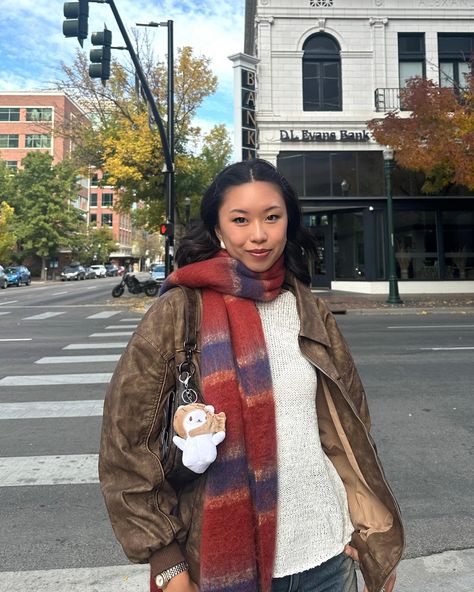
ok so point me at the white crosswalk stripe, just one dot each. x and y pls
(4, 313)
(78, 359)
(50, 379)
(111, 327)
(43, 316)
(111, 345)
(117, 578)
(68, 469)
(106, 314)
(49, 409)
(114, 334)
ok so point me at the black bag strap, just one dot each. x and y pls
(191, 310)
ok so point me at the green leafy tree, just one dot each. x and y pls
(43, 200)
(7, 232)
(97, 244)
(7, 216)
(120, 141)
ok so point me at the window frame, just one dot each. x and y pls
(321, 59)
(8, 110)
(41, 138)
(9, 139)
(411, 57)
(454, 57)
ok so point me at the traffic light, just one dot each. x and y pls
(77, 15)
(100, 57)
(166, 229)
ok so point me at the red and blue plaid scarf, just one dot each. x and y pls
(239, 520)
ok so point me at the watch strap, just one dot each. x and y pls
(165, 576)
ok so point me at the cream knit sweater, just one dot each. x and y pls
(313, 518)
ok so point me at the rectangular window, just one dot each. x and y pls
(9, 140)
(105, 180)
(107, 199)
(349, 261)
(93, 200)
(107, 219)
(39, 114)
(458, 245)
(416, 250)
(93, 218)
(9, 113)
(37, 141)
(411, 56)
(455, 52)
(94, 180)
(12, 165)
(334, 173)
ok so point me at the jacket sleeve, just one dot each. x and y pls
(138, 497)
(345, 365)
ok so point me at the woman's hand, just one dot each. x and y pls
(182, 583)
(353, 554)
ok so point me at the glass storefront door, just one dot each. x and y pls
(322, 263)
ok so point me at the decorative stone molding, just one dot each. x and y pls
(321, 3)
(322, 24)
(269, 20)
(373, 22)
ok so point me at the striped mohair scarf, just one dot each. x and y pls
(239, 519)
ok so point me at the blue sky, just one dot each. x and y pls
(32, 45)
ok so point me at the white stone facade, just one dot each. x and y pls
(367, 32)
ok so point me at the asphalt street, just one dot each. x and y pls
(59, 344)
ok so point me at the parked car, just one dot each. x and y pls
(157, 271)
(90, 273)
(3, 278)
(111, 270)
(73, 272)
(100, 270)
(17, 275)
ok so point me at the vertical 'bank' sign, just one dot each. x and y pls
(249, 125)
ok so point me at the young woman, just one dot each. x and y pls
(297, 492)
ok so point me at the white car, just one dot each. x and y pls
(99, 270)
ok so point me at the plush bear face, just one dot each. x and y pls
(194, 419)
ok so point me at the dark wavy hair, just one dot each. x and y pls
(202, 243)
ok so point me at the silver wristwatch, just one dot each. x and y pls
(163, 578)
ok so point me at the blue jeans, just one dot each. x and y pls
(335, 575)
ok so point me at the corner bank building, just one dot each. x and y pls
(312, 74)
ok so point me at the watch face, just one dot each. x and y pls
(160, 580)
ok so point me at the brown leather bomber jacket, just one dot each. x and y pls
(160, 524)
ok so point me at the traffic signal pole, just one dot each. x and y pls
(76, 24)
(170, 184)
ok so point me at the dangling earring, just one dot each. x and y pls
(222, 244)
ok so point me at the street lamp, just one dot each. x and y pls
(393, 295)
(170, 180)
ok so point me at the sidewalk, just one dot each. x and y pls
(451, 571)
(342, 302)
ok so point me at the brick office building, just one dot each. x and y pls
(27, 123)
(323, 68)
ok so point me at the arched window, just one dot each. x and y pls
(322, 87)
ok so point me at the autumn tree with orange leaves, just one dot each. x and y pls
(434, 134)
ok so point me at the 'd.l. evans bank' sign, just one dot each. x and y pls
(305, 135)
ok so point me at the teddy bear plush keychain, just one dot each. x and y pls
(199, 430)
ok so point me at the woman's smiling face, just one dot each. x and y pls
(252, 224)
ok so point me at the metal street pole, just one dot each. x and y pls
(170, 180)
(393, 296)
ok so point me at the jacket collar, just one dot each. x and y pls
(311, 323)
